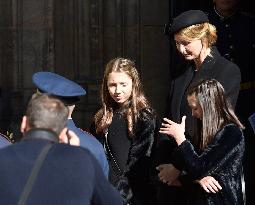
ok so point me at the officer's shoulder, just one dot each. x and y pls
(86, 132)
(248, 15)
(77, 151)
(88, 135)
(91, 142)
(4, 140)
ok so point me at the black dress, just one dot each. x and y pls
(119, 144)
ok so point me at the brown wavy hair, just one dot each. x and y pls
(216, 109)
(137, 101)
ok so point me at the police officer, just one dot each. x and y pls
(4, 141)
(236, 42)
(69, 92)
(194, 37)
(40, 170)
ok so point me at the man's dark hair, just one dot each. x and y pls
(47, 112)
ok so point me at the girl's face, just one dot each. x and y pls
(189, 49)
(119, 86)
(195, 107)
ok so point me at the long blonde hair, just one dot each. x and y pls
(137, 101)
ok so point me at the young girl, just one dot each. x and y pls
(221, 146)
(125, 125)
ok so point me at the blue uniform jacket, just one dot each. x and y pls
(3, 141)
(69, 175)
(89, 142)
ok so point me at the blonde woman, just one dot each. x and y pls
(195, 37)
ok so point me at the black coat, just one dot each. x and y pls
(222, 159)
(236, 42)
(217, 67)
(133, 169)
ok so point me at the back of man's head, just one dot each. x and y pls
(46, 112)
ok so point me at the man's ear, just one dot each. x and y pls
(24, 124)
(63, 136)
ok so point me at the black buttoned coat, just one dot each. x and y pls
(214, 66)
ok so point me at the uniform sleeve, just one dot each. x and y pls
(228, 145)
(101, 155)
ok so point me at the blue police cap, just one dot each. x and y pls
(188, 18)
(59, 86)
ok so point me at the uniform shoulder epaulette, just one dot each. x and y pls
(248, 15)
(86, 132)
(8, 137)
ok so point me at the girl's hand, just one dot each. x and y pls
(174, 129)
(209, 184)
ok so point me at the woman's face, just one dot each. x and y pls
(119, 86)
(189, 49)
(195, 107)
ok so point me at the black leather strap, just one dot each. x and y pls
(31, 179)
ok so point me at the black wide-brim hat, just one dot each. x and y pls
(188, 18)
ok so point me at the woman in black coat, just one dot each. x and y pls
(221, 146)
(194, 37)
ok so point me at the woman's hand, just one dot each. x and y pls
(167, 173)
(174, 129)
(209, 184)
